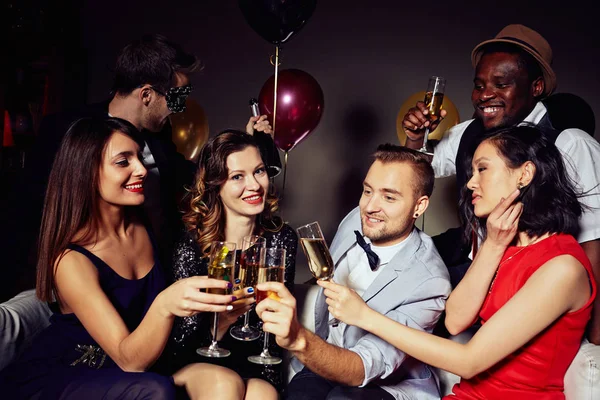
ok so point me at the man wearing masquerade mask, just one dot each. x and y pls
(151, 82)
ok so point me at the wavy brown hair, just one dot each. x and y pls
(205, 216)
(71, 202)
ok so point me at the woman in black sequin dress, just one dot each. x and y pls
(231, 198)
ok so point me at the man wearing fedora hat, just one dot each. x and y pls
(513, 84)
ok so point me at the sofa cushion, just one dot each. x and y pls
(582, 381)
(447, 380)
(21, 318)
(306, 297)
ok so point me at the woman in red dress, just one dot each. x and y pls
(530, 283)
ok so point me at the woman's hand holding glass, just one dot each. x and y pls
(345, 304)
(243, 304)
(220, 266)
(188, 297)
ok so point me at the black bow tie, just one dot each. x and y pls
(373, 258)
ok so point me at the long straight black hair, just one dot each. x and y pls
(550, 202)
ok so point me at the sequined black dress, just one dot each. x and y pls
(193, 332)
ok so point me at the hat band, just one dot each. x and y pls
(523, 43)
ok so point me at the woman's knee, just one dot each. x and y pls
(260, 389)
(208, 381)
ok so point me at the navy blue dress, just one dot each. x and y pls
(64, 362)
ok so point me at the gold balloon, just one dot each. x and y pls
(452, 118)
(190, 130)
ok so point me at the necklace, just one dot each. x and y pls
(514, 255)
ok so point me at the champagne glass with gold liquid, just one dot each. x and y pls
(315, 248)
(434, 97)
(271, 271)
(251, 258)
(221, 265)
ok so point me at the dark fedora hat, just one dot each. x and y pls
(530, 41)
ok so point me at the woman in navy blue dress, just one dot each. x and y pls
(97, 265)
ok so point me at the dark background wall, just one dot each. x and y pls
(368, 57)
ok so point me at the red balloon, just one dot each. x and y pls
(299, 106)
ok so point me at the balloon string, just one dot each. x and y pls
(285, 161)
(275, 89)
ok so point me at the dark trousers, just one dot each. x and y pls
(306, 385)
(119, 385)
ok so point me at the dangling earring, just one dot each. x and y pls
(520, 186)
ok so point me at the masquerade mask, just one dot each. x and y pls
(176, 97)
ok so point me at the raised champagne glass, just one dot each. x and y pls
(317, 253)
(221, 265)
(271, 271)
(251, 258)
(434, 97)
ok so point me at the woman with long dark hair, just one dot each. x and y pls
(231, 198)
(98, 267)
(530, 284)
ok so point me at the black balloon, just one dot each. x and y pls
(277, 20)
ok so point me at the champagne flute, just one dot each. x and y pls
(271, 271)
(251, 259)
(434, 97)
(220, 266)
(315, 248)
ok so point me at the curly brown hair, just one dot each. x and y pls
(205, 216)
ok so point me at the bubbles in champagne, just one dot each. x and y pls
(261, 295)
(319, 258)
(220, 256)
(273, 274)
(222, 272)
(433, 102)
(250, 274)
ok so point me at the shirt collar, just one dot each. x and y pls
(536, 115)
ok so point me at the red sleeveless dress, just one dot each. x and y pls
(537, 370)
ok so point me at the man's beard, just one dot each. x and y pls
(386, 233)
